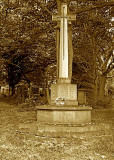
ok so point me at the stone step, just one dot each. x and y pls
(88, 130)
(101, 129)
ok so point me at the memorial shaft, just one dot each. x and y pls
(63, 51)
(63, 65)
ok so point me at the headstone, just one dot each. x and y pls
(5, 90)
(82, 97)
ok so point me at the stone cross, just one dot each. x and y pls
(63, 18)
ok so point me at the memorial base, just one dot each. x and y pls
(61, 119)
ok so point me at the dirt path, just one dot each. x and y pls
(19, 140)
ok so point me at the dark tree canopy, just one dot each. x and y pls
(28, 40)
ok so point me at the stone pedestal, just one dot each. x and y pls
(63, 115)
(66, 91)
(62, 118)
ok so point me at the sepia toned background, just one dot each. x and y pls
(29, 60)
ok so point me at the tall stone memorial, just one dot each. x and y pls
(64, 89)
(57, 117)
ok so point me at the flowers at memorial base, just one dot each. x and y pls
(60, 101)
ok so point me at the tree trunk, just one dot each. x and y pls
(96, 91)
(10, 92)
(101, 90)
(13, 90)
(48, 96)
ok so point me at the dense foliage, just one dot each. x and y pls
(28, 41)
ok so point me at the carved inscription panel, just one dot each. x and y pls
(67, 91)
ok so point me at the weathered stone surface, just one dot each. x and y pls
(66, 91)
(63, 18)
(65, 115)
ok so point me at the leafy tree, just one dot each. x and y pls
(92, 41)
(28, 40)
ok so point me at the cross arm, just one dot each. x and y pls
(56, 17)
(71, 17)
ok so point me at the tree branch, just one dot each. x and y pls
(109, 69)
(99, 5)
(110, 53)
(45, 8)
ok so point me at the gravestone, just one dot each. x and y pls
(82, 96)
(4, 90)
(63, 111)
